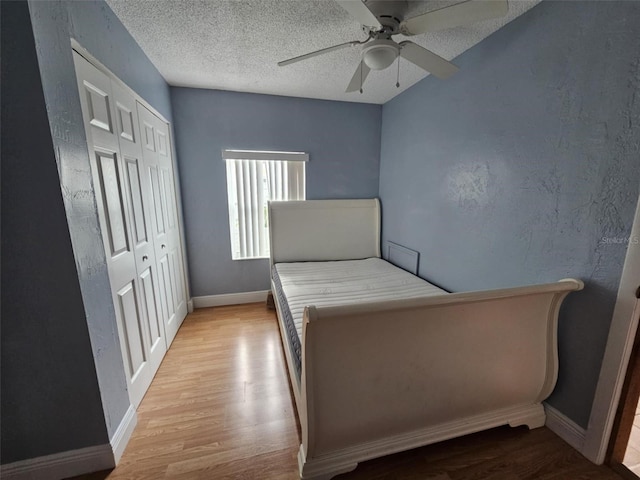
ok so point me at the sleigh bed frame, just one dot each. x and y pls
(379, 377)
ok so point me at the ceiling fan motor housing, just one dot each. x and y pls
(380, 53)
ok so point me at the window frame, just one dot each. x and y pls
(249, 239)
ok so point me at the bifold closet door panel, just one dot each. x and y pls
(109, 178)
(138, 195)
(168, 191)
(158, 169)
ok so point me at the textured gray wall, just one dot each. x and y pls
(50, 399)
(52, 23)
(97, 29)
(519, 168)
(342, 139)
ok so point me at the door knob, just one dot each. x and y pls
(144, 257)
(163, 246)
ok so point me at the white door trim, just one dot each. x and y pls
(83, 52)
(617, 353)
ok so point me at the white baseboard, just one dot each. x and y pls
(74, 462)
(190, 305)
(60, 465)
(565, 428)
(230, 299)
(123, 433)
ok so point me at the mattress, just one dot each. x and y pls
(339, 283)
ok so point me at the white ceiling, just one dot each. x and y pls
(235, 45)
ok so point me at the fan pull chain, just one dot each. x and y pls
(361, 78)
(398, 76)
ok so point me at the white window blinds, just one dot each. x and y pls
(254, 178)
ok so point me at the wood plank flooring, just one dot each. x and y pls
(220, 408)
(632, 454)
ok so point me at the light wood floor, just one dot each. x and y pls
(220, 408)
(632, 455)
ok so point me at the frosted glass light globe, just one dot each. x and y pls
(379, 54)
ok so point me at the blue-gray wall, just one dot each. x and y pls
(514, 171)
(44, 420)
(518, 169)
(342, 139)
(48, 381)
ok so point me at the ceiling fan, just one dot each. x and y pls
(383, 19)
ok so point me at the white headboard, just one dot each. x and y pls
(323, 230)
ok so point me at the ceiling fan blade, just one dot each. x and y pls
(464, 13)
(429, 61)
(318, 52)
(358, 78)
(360, 12)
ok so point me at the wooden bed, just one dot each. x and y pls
(379, 377)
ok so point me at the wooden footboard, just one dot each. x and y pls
(379, 378)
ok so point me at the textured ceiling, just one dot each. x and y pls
(235, 45)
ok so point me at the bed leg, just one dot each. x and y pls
(271, 304)
(532, 416)
(322, 470)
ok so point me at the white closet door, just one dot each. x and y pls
(175, 259)
(109, 178)
(166, 234)
(138, 195)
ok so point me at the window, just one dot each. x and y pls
(254, 178)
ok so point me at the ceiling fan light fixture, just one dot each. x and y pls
(379, 54)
